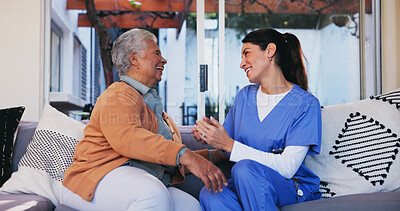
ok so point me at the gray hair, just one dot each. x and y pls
(132, 41)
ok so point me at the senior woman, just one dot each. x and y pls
(131, 153)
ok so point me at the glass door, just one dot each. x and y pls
(329, 32)
(210, 51)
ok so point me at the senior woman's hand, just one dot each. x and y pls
(204, 169)
(211, 132)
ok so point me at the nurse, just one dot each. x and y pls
(273, 124)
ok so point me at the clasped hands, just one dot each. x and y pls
(209, 131)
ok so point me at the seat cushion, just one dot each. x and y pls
(25, 202)
(367, 201)
(63, 207)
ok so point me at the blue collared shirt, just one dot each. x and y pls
(153, 101)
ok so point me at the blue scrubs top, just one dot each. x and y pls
(294, 121)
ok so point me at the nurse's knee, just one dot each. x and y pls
(210, 200)
(205, 195)
(242, 169)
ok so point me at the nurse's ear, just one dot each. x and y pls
(270, 50)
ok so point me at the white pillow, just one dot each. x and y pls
(360, 145)
(49, 154)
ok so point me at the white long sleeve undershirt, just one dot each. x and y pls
(286, 163)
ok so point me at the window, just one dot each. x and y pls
(80, 72)
(55, 59)
(96, 81)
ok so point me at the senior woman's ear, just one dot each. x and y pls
(133, 59)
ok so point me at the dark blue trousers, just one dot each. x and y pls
(253, 186)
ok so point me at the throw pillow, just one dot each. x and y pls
(360, 147)
(49, 154)
(9, 120)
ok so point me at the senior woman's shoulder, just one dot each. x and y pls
(121, 87)
(119, 90)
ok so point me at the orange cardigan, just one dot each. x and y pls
(121, 127)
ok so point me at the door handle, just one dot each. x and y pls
(203, 77)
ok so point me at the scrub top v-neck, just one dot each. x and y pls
(266, 102)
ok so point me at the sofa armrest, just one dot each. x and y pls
(26, 129)
(192, 184)
(189, 141)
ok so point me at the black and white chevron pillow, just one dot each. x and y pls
(360, 147)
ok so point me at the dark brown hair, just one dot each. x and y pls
(288, 55)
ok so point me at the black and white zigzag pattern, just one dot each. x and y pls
(392, 98)
(325, 190)
(367, 146)
(51, 152)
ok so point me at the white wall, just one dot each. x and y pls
(21, 57)
(25, 58)
(390, 45)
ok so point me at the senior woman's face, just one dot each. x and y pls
(151, 64)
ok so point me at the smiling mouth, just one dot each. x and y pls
(160, 68)
(248, 69)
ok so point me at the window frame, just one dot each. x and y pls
(57, 30)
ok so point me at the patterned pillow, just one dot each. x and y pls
(9, 120)
(48, 155)
(360, 147)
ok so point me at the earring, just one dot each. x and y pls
(270, 59)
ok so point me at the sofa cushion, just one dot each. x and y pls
(9, 120)
(355, 202)
(360, 145)
(49, 154)
(63, 207)
(25, 202)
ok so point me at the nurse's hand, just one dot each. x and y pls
(213, 133)
(197, 136)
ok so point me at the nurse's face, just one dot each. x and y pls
(254, 62)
